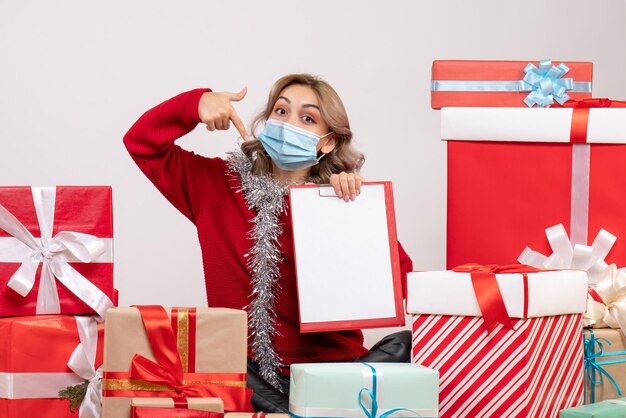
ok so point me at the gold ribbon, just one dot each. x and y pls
(140, 385)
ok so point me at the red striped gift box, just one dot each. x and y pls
(532, 370)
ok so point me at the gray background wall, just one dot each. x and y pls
(74, 75)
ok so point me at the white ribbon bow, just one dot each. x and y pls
(82, 362)
(54, 253)
(48, 385)
(611, 312)
(566, 256)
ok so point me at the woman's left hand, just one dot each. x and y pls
(347, 185)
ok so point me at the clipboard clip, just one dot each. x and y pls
(326, 190)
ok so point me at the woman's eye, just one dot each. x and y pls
(308, 119)
(280, 111)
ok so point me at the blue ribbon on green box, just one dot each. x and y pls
(592, 366)
(373, 411)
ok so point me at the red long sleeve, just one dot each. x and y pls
(150, 141)
(206, 193)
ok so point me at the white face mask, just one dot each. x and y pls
(291, 148)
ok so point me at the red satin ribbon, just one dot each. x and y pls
(594, 295)
(580, 122)
(181, 403)
(580, 115)
(168, 369)
(488, 293)
(589, 103)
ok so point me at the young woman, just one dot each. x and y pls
(240, 208)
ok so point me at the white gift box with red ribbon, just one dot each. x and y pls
(530, 295)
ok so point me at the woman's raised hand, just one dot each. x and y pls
(347, 185)
(216, 111)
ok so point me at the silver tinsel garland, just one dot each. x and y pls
(266, 197)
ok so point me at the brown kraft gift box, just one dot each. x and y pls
(605, 389)
(217, 336)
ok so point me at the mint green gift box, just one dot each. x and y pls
(346, 389)
(611, 408)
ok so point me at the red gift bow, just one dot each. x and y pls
(168, 369)
(488, 293)
(580, 116)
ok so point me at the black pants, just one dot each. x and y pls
(394, 348)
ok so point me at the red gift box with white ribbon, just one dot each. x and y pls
(56, 250)
(514, 173)
(42, 355)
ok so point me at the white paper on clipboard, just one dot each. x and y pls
(346, 258)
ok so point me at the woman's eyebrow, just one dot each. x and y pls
(311, 105)
(284, 98)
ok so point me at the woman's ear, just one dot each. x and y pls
(329, 146)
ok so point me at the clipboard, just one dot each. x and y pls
(346, 258)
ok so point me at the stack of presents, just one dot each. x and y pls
(528, 320)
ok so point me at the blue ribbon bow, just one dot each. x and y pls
(546, 84)
(592, 366)
(373, 411)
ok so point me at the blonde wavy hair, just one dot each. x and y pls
(342, 158)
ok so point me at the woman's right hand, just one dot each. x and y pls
(216, 111)
(347, 185)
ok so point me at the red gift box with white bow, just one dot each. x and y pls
(42, 355)
(514, 173)
(56, 250)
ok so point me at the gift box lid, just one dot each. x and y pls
(501, 83)
(220, 334)
(605, 125)
(450, 293)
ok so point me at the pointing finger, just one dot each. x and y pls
(239, 125)
(225, 124)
